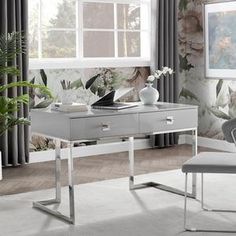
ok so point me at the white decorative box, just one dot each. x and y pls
(74, 107)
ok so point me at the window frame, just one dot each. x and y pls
(95, 62)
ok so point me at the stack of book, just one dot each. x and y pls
(74, 107)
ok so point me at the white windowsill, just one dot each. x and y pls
(69, 63)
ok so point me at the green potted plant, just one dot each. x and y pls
(11, 45)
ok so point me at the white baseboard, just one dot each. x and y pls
(92, 150)
(216, 144)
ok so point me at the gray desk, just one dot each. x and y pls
(96, 124)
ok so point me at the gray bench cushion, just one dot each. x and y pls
(211, 162)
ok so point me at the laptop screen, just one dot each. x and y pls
(121, 92)
(112, 96)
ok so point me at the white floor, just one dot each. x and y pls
(108, 208)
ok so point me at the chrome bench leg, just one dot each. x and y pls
(204, 208)
(42, 205)
(58, 170)
(210, 209)
(185, 199)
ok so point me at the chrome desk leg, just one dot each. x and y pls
(194, 153)
(71, 183)
(58, 170)
(131, 162)
(133, 186)
(42, 205)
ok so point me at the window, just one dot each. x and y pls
(89, 33)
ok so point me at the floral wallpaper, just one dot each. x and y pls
(216, 98)
(101, 80)
(106, 80)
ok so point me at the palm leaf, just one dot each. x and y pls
(42, 88)
(11, 45)
(43, 104)
(91, 81)
(3, 105)
(188, 94)
(22, 99)
(11, 122)
(9, 105)
(33, 80)
(183, 5)
(77, 84)
(218, 87)
(9, 70)
(44, 77)
(31, 90)
(184, 65)
(218, 113)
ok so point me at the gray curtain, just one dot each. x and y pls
(166, 54)
(14, 145)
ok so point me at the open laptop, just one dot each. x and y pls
(108, 101)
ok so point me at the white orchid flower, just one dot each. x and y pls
(151, 78)
(157, 74)
(165, 70)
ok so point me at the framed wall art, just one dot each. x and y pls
(220, 39)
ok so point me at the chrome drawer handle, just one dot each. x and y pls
(106, 127)
(169, 120)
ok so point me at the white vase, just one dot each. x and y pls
(68, 96)
(148, 95)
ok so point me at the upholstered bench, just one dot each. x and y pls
(211, 162)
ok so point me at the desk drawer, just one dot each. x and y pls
(104, 126)
(168, 120)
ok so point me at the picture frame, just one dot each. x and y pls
(220, 39)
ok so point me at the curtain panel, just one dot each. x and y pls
(166, 54)
(14, 144)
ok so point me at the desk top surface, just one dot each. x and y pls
(158, 107)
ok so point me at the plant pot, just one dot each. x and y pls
(68, 96)
(148, 95)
